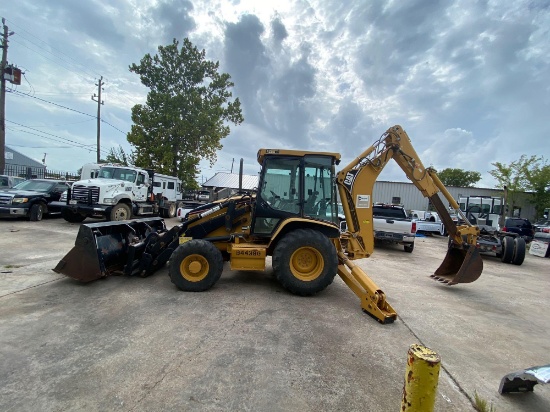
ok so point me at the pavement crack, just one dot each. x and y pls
(30, 287)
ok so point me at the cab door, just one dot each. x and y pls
(142, 185)
(279, 195)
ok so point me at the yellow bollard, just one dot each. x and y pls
(421, 379)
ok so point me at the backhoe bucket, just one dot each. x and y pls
(460, 266)
(108, 247)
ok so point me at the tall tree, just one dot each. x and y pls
(458, 177)
(538, 182)
(187, 111)
(118, 155)
(523, 175)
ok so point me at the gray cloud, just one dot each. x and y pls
(174, 18)
(278, 29)
(85, 17)
(247, 63)
(463, 78)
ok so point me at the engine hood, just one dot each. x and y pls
(22, 193)
(102, 182)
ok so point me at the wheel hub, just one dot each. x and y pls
(306, 263)
(194, 268)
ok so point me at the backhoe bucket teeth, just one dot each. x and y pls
(460, 266)
(107, 247)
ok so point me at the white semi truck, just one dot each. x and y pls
(118, 192)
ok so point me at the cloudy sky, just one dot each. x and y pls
(468, 80)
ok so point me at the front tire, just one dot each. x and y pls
(37, 212)
(507, 249)
(120, 212)
(519, 251)
(305, 262)
(195, 266)
(72, 217)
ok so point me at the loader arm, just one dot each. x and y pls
(355, 185)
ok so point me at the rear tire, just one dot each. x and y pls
(171, 212)
(507, 249)
(195, 266)
(519, 251)
(72, 217)
(120, 212)
(305, 262)
(409, 248)
(37, 212)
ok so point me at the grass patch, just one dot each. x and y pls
(481, 404)
(13, 266)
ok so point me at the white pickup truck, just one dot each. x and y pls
(391, 224)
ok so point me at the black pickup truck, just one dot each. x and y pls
(31, 198)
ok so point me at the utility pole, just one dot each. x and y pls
(99, 85)
(3, 66)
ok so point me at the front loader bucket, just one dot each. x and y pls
(460, 266)
(104, 248)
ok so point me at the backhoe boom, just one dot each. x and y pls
(355, 185)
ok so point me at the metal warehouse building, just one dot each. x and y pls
(404, 193)
(409, 196)
(17, 164)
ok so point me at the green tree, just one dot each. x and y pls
(187, 111)
(458, 177)
(119, 156)
(527, 174)
(538, 182)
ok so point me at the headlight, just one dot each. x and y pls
(109, 201)
(63, 196)
(20, 200)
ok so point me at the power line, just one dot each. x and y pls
(64, 107)
(65, 140)
(51, 60)
(122, 92)
(47, 101)
(80, 66)
(57, 141)
(61, 124)
(105, 121)
(36, 147)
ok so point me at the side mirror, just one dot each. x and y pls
(343, 226)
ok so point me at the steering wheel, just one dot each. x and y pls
(275, 195)
(471, 217)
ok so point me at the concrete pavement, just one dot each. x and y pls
(141, 344)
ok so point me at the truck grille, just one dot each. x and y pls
(5, 200)
(81, 193)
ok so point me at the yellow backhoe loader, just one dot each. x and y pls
(292, 217)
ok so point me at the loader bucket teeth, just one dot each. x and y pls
(105, 248)
(460, 266)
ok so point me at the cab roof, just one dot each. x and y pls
(297, 153)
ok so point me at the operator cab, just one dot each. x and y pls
(294, 184)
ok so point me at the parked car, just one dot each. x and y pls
(10, 181)
(542, 225)
(520, 226)
(32, 198)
